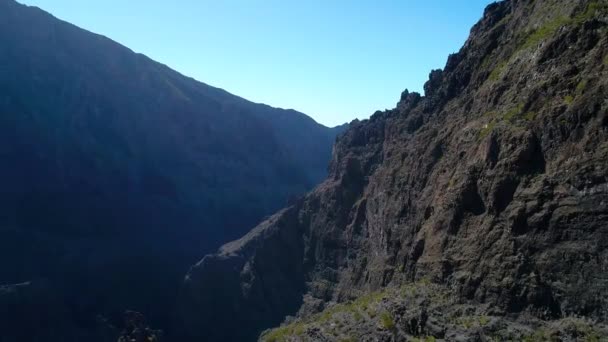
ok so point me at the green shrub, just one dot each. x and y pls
(544, 32)
(466, 322)
(529, 116)
(514, 112)
(580, 87)
(591, 10)
(282, 333)
(549, 29)
(538, 335)
(495, 74)
(387, 321)
(487, 129)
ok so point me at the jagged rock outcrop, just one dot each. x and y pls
(494, 184)
(137, 330)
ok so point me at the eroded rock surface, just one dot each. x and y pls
(493, 184)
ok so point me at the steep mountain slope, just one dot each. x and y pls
(494, 186)
(118, 172)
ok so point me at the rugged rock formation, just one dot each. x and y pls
(494, 184)
(118, 173)
(136, 329)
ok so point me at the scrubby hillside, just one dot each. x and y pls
(493, 186)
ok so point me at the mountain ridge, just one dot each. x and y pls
(151, 59)
(119, 172)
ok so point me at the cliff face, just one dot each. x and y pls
(493, 185)
(118, 173)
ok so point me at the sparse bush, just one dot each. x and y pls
(387, 321)
(544, 32)
(495, 74)
(514, 112)
(487, 129)
(581, 86)
(529, 116)
(547, 30)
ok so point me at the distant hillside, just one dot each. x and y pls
(118, 172)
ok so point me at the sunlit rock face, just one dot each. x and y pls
(493, 186)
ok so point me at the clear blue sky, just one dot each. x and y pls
(334, 60)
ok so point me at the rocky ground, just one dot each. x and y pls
(424, 311)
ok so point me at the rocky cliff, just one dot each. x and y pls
(492, 186)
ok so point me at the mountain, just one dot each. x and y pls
(476, 212)
(118, 173)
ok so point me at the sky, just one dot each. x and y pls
(335, 60)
